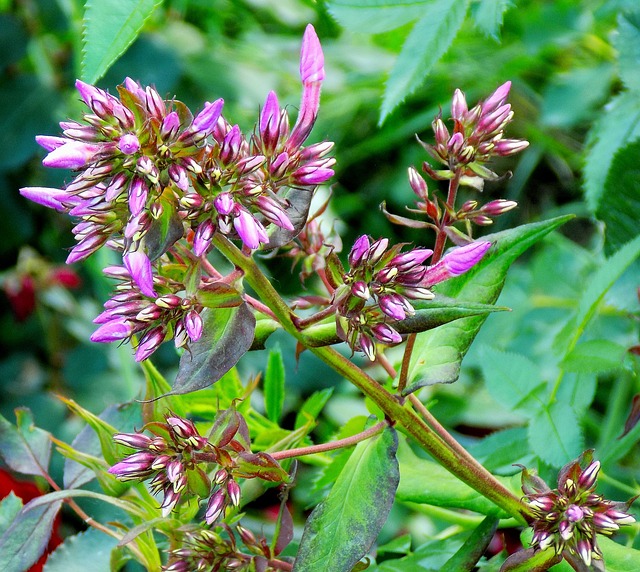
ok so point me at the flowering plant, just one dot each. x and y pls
(188, 210)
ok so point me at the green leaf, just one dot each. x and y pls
(512, 379)
(471, 551)
(24, 448)
(426, 44)
(429, 557)
(438, 353)
(163, 231)
(594, 356)
(110, 27)
(312, 407)
(274, 385)
(555, 434)
(9, 508)
(530, 560)
(342, 528)
(627, 42)
(623, 183)
(618, 558)
(614, 129)
(426, 482)
(488, 15)
(603, 279)
(53, 498)
(26, 538)
(226, 337)
(76, 551)
(502, 449)
(375, 16)
(578, 390)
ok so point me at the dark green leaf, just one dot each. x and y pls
(226, 337)
(110, 27)
(375, 16)
(555, 434)
(594, 356)
(163, 233)
(488, 15)
(627, 42)
(438, 353)
(623, 182)
(76, 551)
(427, 482)
(428, 41)
(342, 528)
(274, 385)
(617, 557)
(614, 129)
(429, 557)
(26, 538)
(24, 448)
(471, 551)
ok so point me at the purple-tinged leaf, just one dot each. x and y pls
(219, 295)
(163, 233)
(28, 535)
(530, 561)
(297, 212)
(634, 415)
(342, 528)
(227, 336)
(259, 465)
(224, 427)
(285, 529)
(24, 448)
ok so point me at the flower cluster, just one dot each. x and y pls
(477, 137)
(179, 461)
(211, 550)
(377, 290)
(150, 173)
(570, 517)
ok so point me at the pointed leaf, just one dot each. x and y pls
(471, 551)
(54, 498)
(9, 508)
(227, 335)
(274, 385)
(614, 129)
(342, 528)
(594, 356)
(163, 233)
(26, 538)
(312, 407)
(488, 15)
(76, 551)
(438, 353)
(428, 41)
(24, 448)
(110, 27)
(634, 415)
(531, 560)
(555, 434)
(375, 16)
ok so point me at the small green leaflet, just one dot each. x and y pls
(109, 28)
(274, 385)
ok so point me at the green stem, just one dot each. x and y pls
(461, 465)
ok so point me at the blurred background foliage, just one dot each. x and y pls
(576, 95)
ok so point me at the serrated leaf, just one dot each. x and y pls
(511, 379)
(26, 538)
(76, 551)
(274, 385)
(25, 448)
(555, 434)
(438, 353)
(471, 551)
(623, 182)
(426, 482)
(426, 44)
(627, 43)
(342, 528)
(227, 335)
(488, 16)
(614, 129)
(594, 356)
(376, 16)
(109, 28)
(9, 508)
(602, 280)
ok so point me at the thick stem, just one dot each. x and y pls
(460, 465)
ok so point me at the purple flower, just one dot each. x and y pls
(193, 324)
(139, 267)
(455, 263)
(249, 229)
(205, 122)
(112, 331)
(129, 144)
(71, 155)
(51, 198)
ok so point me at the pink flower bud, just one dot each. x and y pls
(361, 290)
(418, 184)
(129, 144)
(408, 260)
(251, 231)
(112, 331)
(215, 506)
(178, 175)
(205, 122)
(170, 126)
(274, 212)
(49, 142)
(193, 324)
(202, 237)
(50, 198)
(133, 440)
(233, 490)
(386, 334)
(139, 267)
(138, 193)
(71, 155)
(358, 250)
(149, 343)
(497, 98)
(224, 203)
(458, 106)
